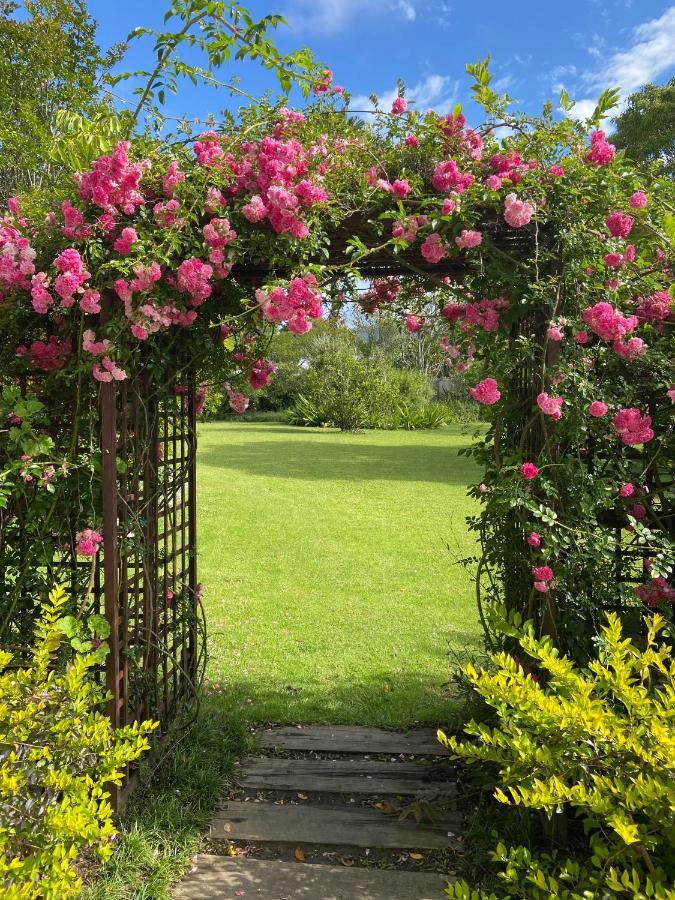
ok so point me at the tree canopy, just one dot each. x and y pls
(646, 128)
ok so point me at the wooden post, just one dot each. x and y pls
(108, 402)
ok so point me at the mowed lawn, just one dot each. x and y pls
(330, 561)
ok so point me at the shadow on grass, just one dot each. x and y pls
(386, 698)
(347, 460)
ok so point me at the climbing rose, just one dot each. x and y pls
(608, 323)
(517, 213)
(486, 392)
(399, 106)
(555, 333)
(125, 240)
(260, 374)
(638, 200)
(619, 224)
(630, 349)
(468, 239)
(447, 177)
(107, 371)
(91, 345)
(534, 539)
(558, 171)
(112, 183)
(400, 188)
(550, 406)
(433, 249)
(529, 470)
(173, 177)
(601, 153)
(627, 490)
(655, 308)
(655, 592)
(632, 427)
(412, 140)
(413, 323)
(207, 149)
(87, 542)
(598, 409)
(448, 206)
(493, 182)
(237, 401)
(542, 576)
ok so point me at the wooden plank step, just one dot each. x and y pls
(348, 739)
(342, 776)
(352, 826)
(225, 878)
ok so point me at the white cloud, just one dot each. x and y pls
(582, 109)
(407, 10)
(651, 53)
(332, 16)
(438, 91)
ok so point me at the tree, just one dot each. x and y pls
(646, 128)
(49, 61)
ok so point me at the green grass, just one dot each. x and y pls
(333, 595)
(330, 563)
(164, 822)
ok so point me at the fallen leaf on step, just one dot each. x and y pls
(302, 797)
(388, 808)
(299, 854)
(416, 856)
(346, 861)
(227, 828)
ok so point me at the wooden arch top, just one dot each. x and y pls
(516, 245)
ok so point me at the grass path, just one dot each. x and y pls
(329, 560)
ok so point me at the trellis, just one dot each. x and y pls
(147, 583)
(148, 442)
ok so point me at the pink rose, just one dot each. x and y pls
(486, 392)
(598, 409)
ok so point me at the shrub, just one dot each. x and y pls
(599, 741)
(432, 415)
(349, 392)
(306, 413)
(58, 754)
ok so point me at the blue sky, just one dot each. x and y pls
(537, 47)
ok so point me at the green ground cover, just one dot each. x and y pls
(333, 591)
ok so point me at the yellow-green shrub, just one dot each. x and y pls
(599, 741)
(58, 752)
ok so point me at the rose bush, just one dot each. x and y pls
(163, 255)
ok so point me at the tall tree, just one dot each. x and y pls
(646, 128)
(49, 61)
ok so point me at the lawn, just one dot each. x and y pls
(333, 595)
(333, 589)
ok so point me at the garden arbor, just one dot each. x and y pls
(168, 269)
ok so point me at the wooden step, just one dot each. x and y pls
(333, 825)
(225, 878)
(348, 739)
(343, 776)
